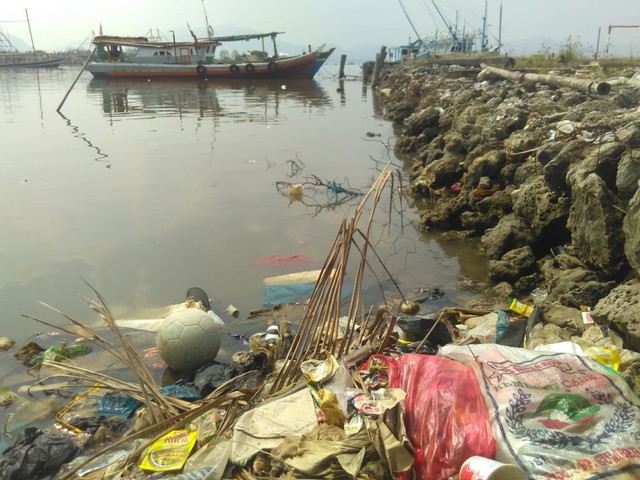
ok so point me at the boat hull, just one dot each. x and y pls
(291, 67)
(52, 63)
(322, 57)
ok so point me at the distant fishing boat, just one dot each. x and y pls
(451, 47)
(10, 57)
(28, 60)
(140, 57)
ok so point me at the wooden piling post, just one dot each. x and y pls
(74, 82)
(343, 60)
(380, 57)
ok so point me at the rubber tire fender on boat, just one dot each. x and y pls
(249, 68)
(234, 68)
(272, 65)
(201, 70)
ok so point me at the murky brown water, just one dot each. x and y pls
(145, 189)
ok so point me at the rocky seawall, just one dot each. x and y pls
(545, 174)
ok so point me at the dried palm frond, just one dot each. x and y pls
(158, 405)
(223, 396)
(320, 330)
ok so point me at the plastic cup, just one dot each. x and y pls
(480, 468)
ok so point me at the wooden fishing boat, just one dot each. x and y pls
(322, 57)
(10, 57)
(139, 57)
(28, 60)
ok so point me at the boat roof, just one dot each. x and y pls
(145, 42)
(249, 36)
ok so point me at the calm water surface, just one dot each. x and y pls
(145, 189)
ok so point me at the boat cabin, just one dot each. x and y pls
(142, 50)
(403, 53)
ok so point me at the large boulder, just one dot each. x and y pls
(595, 223)
(556, 163)
(487, 165)
(571, 283)
(628, 175)
(543, 210)
(419, 121)
(509, 117)
(621, 310)
(631, 230)
(513, 265)
(510, 233)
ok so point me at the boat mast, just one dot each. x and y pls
(30, 35)
(206, 19)
(484, 41)
(449, 27)
(500, 30)
(410, 22)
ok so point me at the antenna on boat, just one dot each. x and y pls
(206, 19)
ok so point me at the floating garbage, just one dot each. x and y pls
(63, 352)
(6, 343)
(170, 452)
(7, 397)
(337, 395)
(36, 454)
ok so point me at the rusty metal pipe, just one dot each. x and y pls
(580, 84)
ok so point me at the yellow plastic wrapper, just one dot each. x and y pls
(328, 403)
(319, 371)
(605, 356)
(520, 308)
(169, 452)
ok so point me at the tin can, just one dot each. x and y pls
(480, 468)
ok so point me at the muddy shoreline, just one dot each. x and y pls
(545, 175)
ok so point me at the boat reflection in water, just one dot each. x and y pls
(206, 98)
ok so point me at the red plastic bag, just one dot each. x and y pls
(446, 417)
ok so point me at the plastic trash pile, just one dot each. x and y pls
(445, 395)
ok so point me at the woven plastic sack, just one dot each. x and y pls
(557, 415)
(446, 418)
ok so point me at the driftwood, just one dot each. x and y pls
(581, 84)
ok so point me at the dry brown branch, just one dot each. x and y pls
(220, 397)
(320, 329)
(158, 406)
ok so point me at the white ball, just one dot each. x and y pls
(188, 339)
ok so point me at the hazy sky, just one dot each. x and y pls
(59, 24)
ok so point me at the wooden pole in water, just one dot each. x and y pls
(378, 67)
(74, 82)
(343, 60)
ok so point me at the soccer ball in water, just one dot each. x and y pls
(188, 339)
